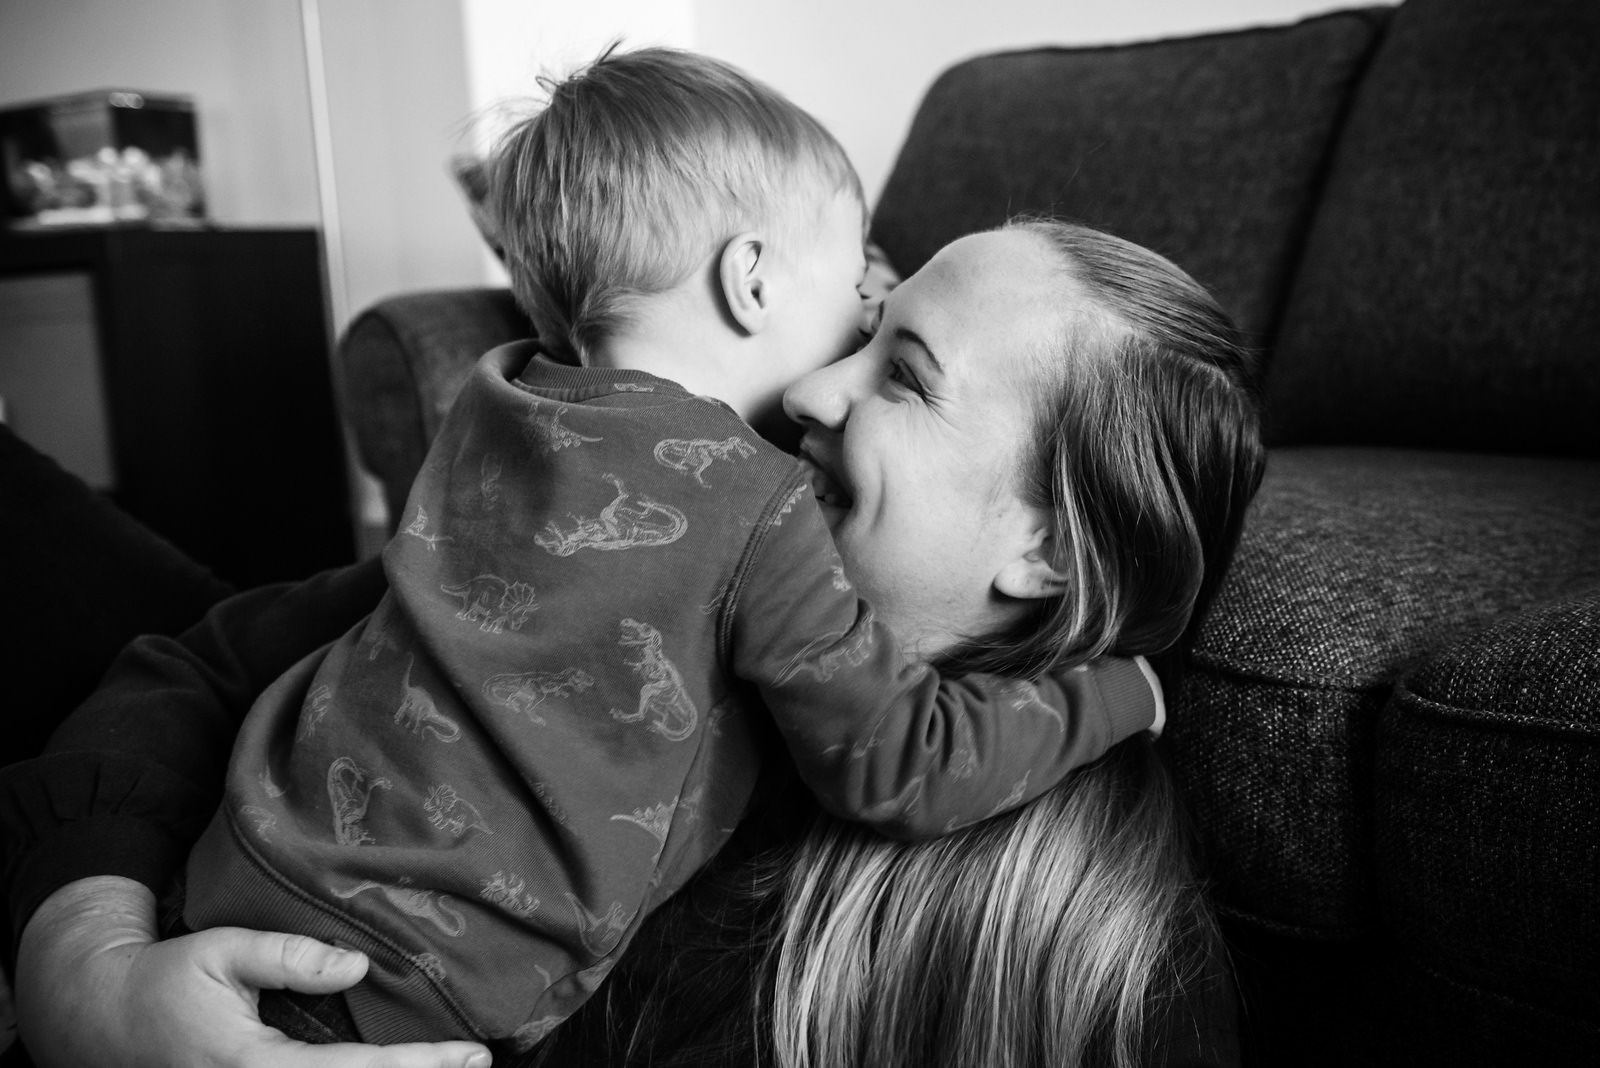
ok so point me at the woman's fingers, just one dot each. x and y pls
(410, 1055)
(266, 960)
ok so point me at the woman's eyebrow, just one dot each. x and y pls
(910, 336)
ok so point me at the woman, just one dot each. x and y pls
(1041, 363)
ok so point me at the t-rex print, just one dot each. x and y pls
(349, 792)
(418, 713)
(663, 696)
(693, 457)
(525, 691)
(630, 521)
(493, 602)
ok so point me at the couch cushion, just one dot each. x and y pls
(1207, 149)
(1447, 293)
(403, 361)
(1354, 564)
(1488, 810)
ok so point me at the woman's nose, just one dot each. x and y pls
(822, 398)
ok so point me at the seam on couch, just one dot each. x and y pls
(1485, 719)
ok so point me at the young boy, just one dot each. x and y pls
(546, 727)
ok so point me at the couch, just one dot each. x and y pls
(1389, 728)
(1389, 732)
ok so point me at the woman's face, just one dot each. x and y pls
(915, 444)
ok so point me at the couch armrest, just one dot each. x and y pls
(402, 361)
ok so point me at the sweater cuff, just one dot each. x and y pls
(1132, 696)
(1160, 721)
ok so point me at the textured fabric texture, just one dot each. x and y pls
(1206, 149)
(1354, 564)
(1488, 810)
(403, 361)
(1447, 297)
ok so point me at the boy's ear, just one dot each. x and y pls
(1031, 575)
(742, 276)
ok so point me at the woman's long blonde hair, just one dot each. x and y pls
(1050, 937)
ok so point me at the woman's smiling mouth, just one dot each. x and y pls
(830, 494)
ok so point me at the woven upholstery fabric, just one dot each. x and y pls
(1207, 149)
(403, 361)
(1354, 564)
(1447, 295)
(1488, 810)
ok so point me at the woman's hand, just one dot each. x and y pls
(94, 987)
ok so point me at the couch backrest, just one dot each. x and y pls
(1207, 149)
(1449, 295)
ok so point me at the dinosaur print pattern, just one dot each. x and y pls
(655, 820)
(264, 822)
(493, 602)
(534, 1032)
(429, 905)
(418, 529)
(349, 792)
(1025, 698)
(418, 713)
(694, 456)
(663, 698)
(509, 892)
(448, 811)
(630, 521)
(317, 703)
(525, 691)
(601, 933)
(489, 481)
(544, 431)
(850, 648)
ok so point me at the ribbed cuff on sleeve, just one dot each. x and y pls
(1132, 695)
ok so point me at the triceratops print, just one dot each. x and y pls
(693, 457)
(428, 905)
(525, 691)
(493, 602)
(663, 697)
(349, 792)
(418, 713)
(543, 431)
(630, 521)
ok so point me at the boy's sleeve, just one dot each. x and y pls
(131, 777)
(889, 742)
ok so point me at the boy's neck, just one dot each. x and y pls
(675, 337)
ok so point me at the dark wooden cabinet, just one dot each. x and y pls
(212, 347)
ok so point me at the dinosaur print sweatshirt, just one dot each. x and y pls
(608, 599)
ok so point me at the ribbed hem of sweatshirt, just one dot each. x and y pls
(395, 1003)
(1132, 698)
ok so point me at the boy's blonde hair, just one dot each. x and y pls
(640, 166)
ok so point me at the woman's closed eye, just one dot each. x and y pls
(901, 373)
